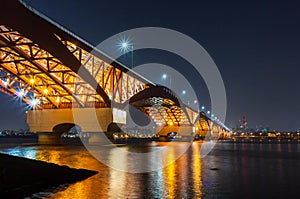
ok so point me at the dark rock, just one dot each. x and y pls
(20, 177)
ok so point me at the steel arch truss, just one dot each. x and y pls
(46, 78)
(117, 84)
(163, 112)
(54, 83)
(202, 125)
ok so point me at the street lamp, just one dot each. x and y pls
(125, 46)
(165, 76)
(184, 93)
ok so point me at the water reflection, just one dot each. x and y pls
(230, 170)
(197, 170)
(117, 180)
(29, 152)
(170, 176)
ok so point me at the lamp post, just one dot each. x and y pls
(125, 46)
(164, 77)
(185, 93)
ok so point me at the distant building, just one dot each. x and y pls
(242, 126)
(262, 129)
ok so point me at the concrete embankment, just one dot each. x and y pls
(21, 177)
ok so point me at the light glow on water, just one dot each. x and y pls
(237, 167)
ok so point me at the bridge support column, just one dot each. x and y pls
(50, 138)
(51, 123)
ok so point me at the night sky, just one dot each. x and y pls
(255, 44)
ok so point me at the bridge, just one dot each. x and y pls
(40, 63)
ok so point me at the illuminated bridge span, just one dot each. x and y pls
(40, 64)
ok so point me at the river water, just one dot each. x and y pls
(230, 170)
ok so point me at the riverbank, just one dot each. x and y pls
(21, 177)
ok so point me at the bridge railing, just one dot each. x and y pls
(74, 105)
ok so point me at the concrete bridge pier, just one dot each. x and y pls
(50, 124)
